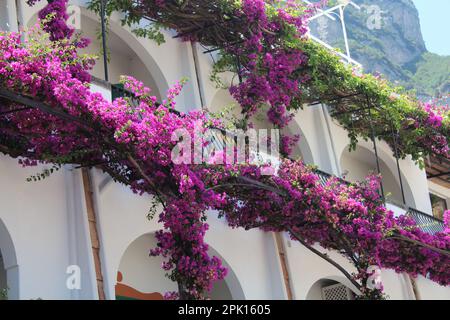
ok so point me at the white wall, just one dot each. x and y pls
(36, 217)
(361, 162)
(429, 290)
(306, 268)
(47, 220)
(414, 178)
(253, 263)
(4, 19)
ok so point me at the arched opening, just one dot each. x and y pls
(9, 270)
(330, 289)
(224, 101)
(123, 60)
(358, 164)
(229, 288)
(140, 277)
(301, 149)
(126, 56)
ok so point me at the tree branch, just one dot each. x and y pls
(326, 258)
(406, 239)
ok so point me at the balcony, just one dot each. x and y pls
(219, 139)
(425, 222)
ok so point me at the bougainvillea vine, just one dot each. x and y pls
(281, 70)
(131, 139)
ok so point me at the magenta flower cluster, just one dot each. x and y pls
(447, 221)
(269, 78)
(56, 13)
(438, 142)
(131, 140)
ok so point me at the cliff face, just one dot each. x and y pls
(384, 36)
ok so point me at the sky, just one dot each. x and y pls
(435, 23)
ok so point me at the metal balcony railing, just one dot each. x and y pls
(323, 176)
(219, 137)
(426, 222)
(118, 91)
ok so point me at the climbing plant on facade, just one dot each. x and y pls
(266, 43)
(48, 114)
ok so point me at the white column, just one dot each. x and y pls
(325, 149)
(4, 22)
(8, 15)
(79, 242)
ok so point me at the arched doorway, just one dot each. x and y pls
(358, 164)
(302, 148)
(228, 289)
(140, 277)
(9, 270)
(126, 55)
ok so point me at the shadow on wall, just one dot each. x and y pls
(302, 148)
(140, 277)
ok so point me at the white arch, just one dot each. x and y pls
(315, 291)
(303, 147)
(364, 151)
(222, 98)
(140, 246)
(134, 44)
(153, 67)
(231, 279)
(142, 272)
(8, 252)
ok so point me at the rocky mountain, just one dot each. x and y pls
(385, 36)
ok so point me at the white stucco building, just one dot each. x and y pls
(47, 227)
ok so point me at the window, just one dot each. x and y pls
(439, 206)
